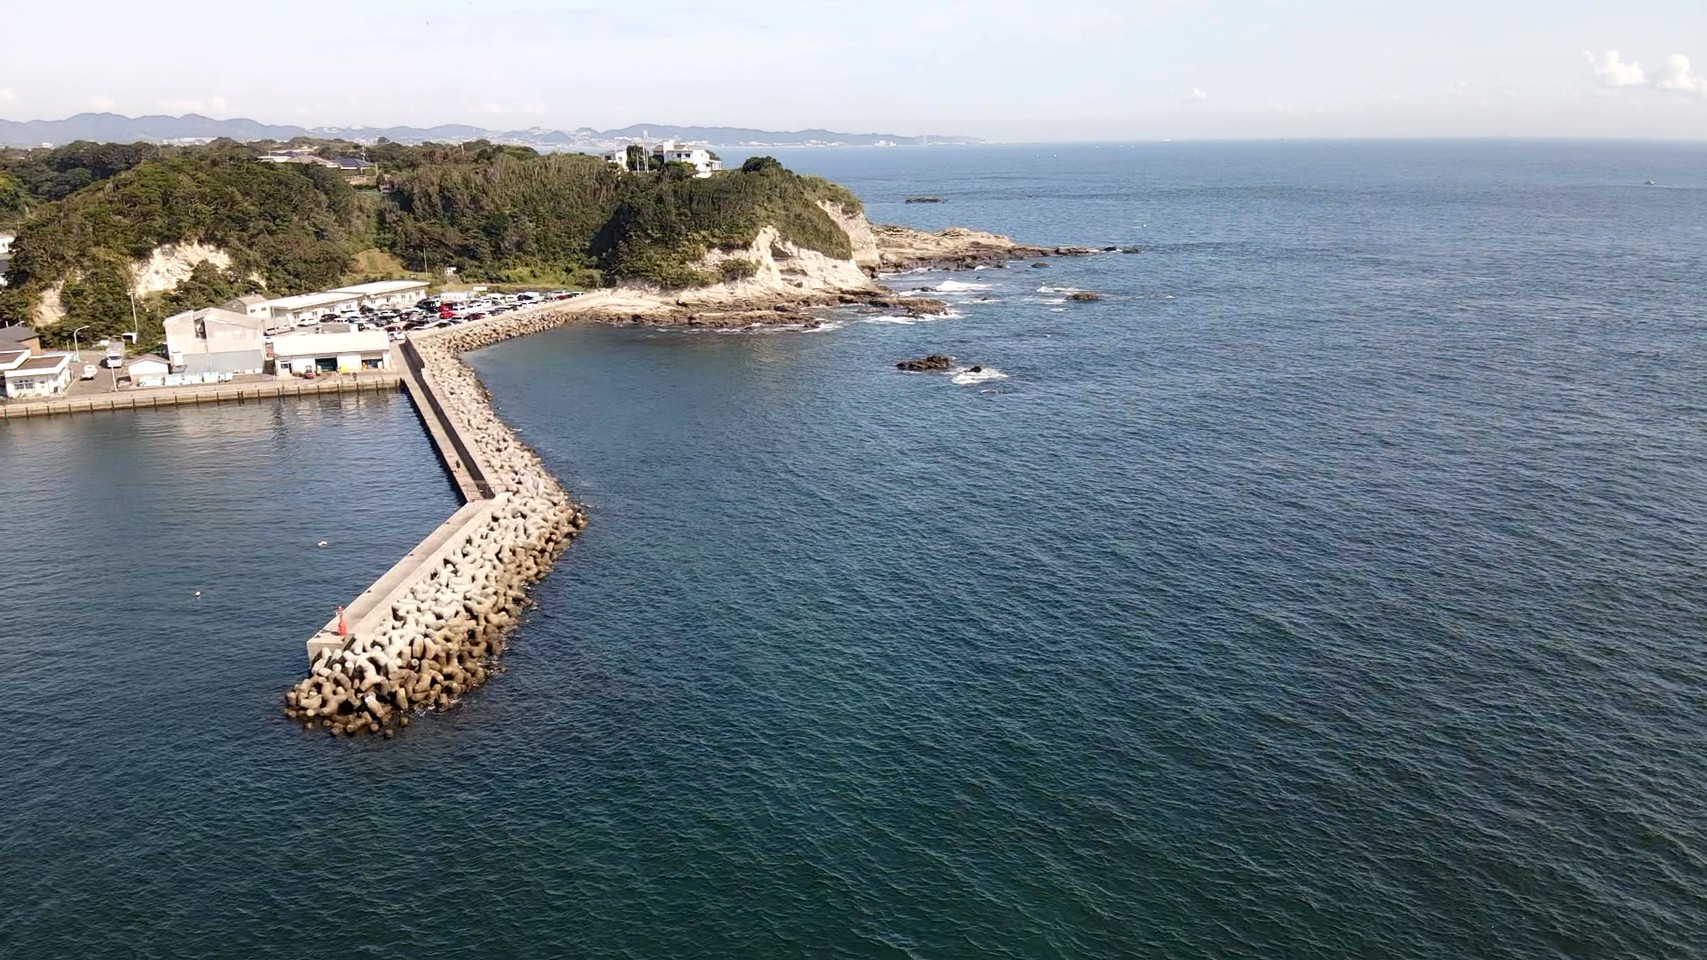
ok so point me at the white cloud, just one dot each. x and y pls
(103, 103)
(6, 95)
(1197, 95)
(1611, 70)
(1458, 89)
(1677, 76)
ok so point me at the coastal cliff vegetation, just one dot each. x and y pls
(88, 216)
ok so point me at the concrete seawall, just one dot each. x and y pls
(148, 398)
(431, 628)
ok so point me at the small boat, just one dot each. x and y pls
(1648, 183)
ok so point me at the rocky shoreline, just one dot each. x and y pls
(956, 248)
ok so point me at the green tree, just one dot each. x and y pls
(99, 297)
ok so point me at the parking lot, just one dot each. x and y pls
(444, 310)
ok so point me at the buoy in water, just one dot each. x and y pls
(321, 543)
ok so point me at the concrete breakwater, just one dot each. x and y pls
(432, 628)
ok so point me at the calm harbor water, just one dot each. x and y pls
(1331, 589)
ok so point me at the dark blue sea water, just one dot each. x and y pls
(1333, 588)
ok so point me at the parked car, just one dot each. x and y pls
(308, 322)
(89, 371)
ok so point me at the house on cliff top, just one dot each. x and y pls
(702, 160)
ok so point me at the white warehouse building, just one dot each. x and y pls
(215, 341)
(387, 293)
(307, 353)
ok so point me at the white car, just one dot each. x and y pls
(89, 371)
(308, 322)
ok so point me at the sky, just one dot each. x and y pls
(999, 69)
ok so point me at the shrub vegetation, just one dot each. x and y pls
(86, 212)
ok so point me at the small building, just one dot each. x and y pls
(703, 163)
(19, 337)
(381, 294)
(5, 255)
(617, 157)
(215, 341)
(287, 312)
(44, 375)
(297, 156)
(306, 353)
(253, 304)
(147, 365)
(355, 165)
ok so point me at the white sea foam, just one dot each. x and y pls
(1057, 289)
(966, 377)
(959, 286)
(901, 321)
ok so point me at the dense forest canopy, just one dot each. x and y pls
(86, 214)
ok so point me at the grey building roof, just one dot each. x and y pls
(232, 361)
(16, 334)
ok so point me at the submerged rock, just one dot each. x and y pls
(1039, 265)
(1084, 295)
(924, 199)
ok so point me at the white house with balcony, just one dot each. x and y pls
(703, 163)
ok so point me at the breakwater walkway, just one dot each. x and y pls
(432, 626)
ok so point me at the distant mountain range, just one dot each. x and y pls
(113, 128)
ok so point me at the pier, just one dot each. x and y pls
(257, 390)
(365, 615)
(430, 628)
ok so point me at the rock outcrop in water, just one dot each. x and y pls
(934, 362)
(957, 248)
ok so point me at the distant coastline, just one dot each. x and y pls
(193, 128)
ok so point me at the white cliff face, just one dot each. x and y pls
(171, 264)
(48, 311)
(864, 239)
(163, 269)
(785, 270)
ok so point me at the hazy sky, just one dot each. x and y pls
(1002, 69)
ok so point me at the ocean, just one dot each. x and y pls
(1330, 588)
